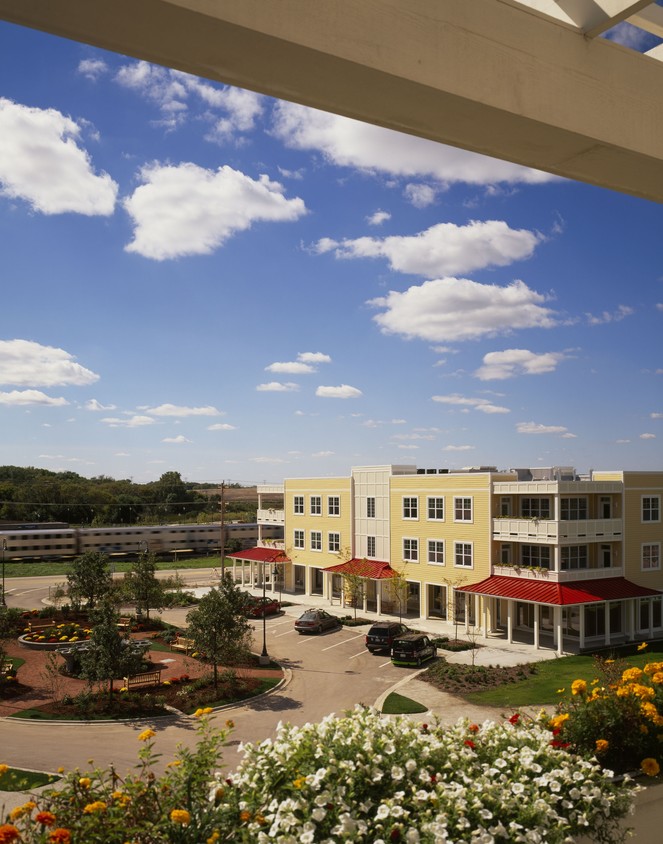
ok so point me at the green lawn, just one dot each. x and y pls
(17, 779)
(554, 674)
(395, 704)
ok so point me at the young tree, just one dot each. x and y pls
(108, 655)
(141, 584)
(89, 578)
(354, 583)
(219, 628)
(397, 589)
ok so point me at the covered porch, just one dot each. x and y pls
(263, 568)
(567, 617)
(367, 585)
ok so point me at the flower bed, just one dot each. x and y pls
(58, 635)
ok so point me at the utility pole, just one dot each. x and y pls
(223, 533)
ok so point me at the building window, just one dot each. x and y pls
(316, 505)
(505, 554)
(462, 509)
(410, 508)
(316, 540)
(333, 505)
(334, 542)
(370, 546)
(651, 508)
(298, 505)
(463, 554)
(436, 551)
(573, 509)
(574, 557)
(535, 555)
(535, 508)
(436, 509)
(370, 508)
(299, 539)
(505, 507)
(411, 550)
(651, 556)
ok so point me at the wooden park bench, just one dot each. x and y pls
(6, 666)
(147, 678)
(41, 627)
(182, 644)
(124, 622)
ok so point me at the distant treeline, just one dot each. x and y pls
(39, 495)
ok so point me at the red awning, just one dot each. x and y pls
(261, 555)
(559, 594)
(370, 569)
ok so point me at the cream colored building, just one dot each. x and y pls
(540, 555)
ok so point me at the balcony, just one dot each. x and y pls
(271, 517)
(550, 576)
(549, 531)
(276, 544)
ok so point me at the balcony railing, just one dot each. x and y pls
(551, 531)
(549, 576)
(271, 517)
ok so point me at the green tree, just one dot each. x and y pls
(89, 578)
(398, 589)
(107, 654)
(219, 628)
(354, 582)
(141, 584)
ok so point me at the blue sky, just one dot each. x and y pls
(201, 279)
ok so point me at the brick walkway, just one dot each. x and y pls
(33, 676)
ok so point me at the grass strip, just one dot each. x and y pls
(396, 704)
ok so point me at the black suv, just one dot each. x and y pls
(412, 649)
(382, 634)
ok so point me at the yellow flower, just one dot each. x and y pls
(643, 692)
(3, 770)
(649, 710)
(657, 678)
(213, 837)
(650, 767)
(230, 723)
(174, 764)
(601, 745)
(578, 687)
(60, 770)
(97, 806)
(559, 720)
(180, 816)
(85, 782)
(609, 661)
(560, 691)
(146, 735)
(631, 675)
(299, 782)
(642, 646)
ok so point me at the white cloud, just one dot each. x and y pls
(617, 316)
(21, 398)
(421, 196)
(131, 422)
(344, 391)
(413, 437)
(179, 440)
(656, 415)
(458, 448)
(92, 69)
(511, 362)
(291, 368)
(314, 357)
(96, 406)
(175, 410)
(407, 447)
(41, 162)
(442, 249)
(221, 426)
(277, 387)
(536, 428)
(483, 405)
(26, 363)
(647, 436)
(659, 306)
(121, 454)
(187, 210)
(267, 460)
(322, 454)
(621, 442)
(350, 143)
(454, 309)
(378, 217)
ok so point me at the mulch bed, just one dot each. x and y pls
(460, 679)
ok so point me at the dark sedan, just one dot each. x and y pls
(316, 621)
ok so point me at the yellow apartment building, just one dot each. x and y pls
(545, 556)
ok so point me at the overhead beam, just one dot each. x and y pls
(490, 76)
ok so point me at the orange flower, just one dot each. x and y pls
(180, 816)
(650, 767)
(8, 833)
(601, 745)
(45, 818)
(578, 687)
(60, 836)
(245, 816)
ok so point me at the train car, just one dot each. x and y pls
(51, 543)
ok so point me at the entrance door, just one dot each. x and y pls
(605, 507)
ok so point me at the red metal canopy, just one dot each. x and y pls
(370, 569)
(261, 555)
(559, 594)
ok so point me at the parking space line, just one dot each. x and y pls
(351, 639)
(385, 663)
(287, 633)
(361, 653)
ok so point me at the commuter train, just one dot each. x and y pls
(55, 541)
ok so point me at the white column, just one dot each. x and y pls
(485, 616)
(509, 621)
(559, 638)
(537, 613)
(650, 601)
(423, 600)
(378, 597)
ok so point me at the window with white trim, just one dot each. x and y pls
(411, 550)
(298, 505)
(435, 507)
(535, 508)
(316, 505)
(573, 509)
(370, 508)
(463, 556)
(535, 555)
(370, 546)
(505, 554)
(298, 539)
(651, 556)
(316, 540)
(334, 542)
(333, 505)
(436, 551)
(505, 506)
(651, 508)
(574, 557)
(462, 509)
(410, 508)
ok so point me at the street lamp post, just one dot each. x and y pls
(4, 548)
(264, 656)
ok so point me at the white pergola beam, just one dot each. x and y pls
(492, 76)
